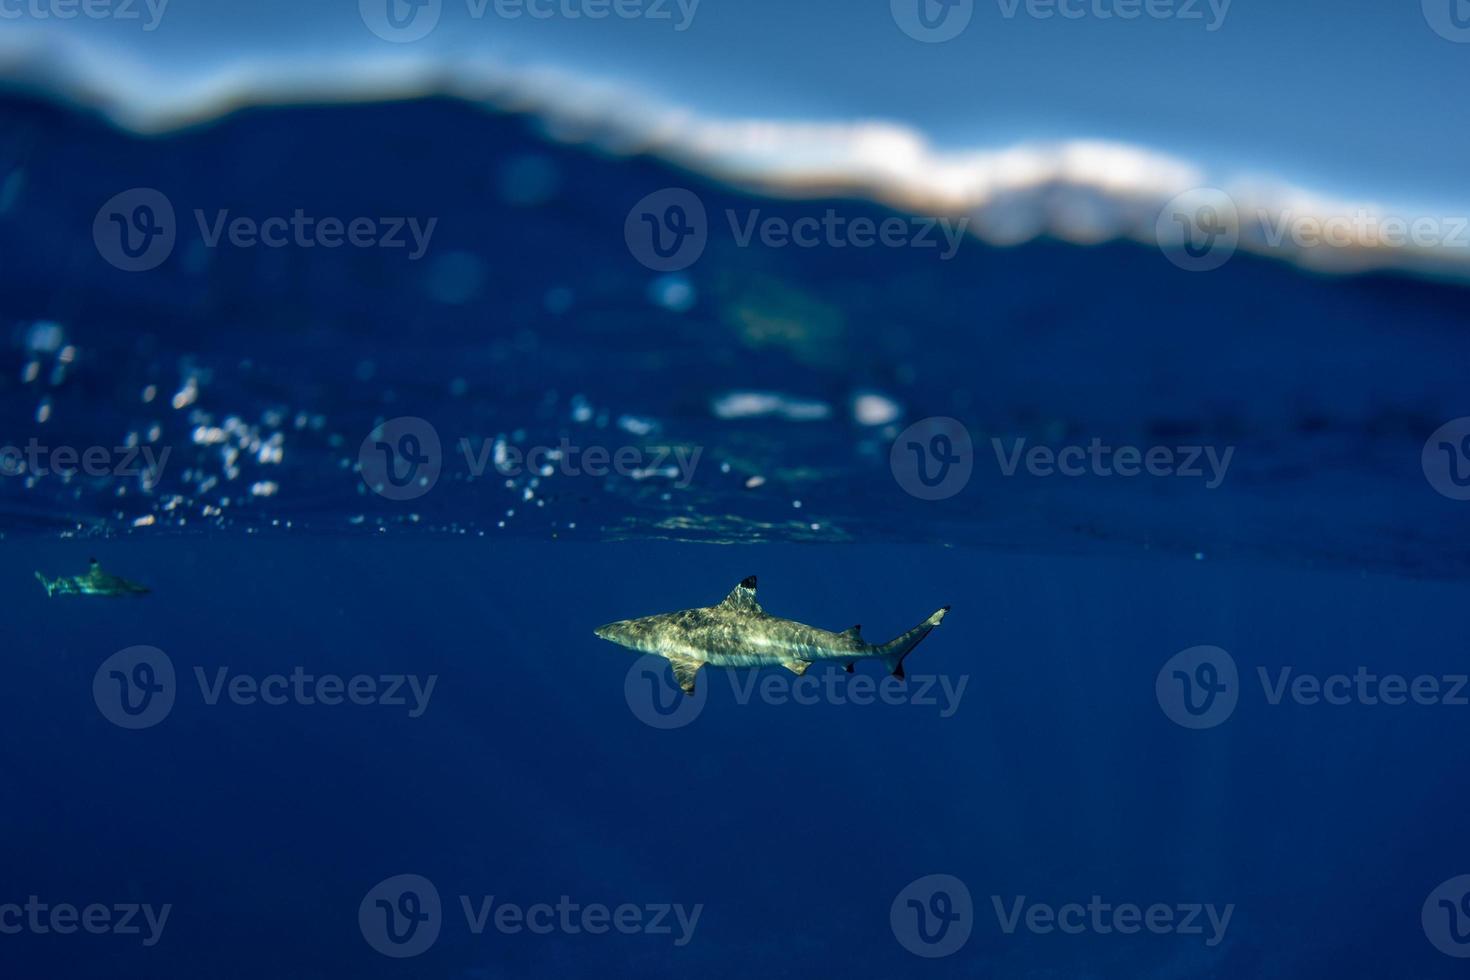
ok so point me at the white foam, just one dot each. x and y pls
(763, 404)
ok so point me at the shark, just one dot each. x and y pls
(94, 582)
(739, 633)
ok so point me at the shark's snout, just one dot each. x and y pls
(613, 631)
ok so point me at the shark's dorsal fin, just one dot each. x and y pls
(94, 569)
(855, 632)
(742, 598)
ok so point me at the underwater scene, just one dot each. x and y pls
(665, 488)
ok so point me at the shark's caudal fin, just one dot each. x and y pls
(896, 649)
(45, 584)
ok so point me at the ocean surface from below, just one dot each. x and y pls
(761, 388)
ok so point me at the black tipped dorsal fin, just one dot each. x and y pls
(742, 597)
(856, 632)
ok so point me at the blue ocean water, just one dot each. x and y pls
(1054, 776)
(391, 404)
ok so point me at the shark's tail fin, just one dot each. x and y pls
(901, 646)
(47, 585)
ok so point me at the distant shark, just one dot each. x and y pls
(739, 633)
(95, 582)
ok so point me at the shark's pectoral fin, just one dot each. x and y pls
(797, 667)
(685, 670)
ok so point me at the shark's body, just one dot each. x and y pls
(94, 582)
(739, 633)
